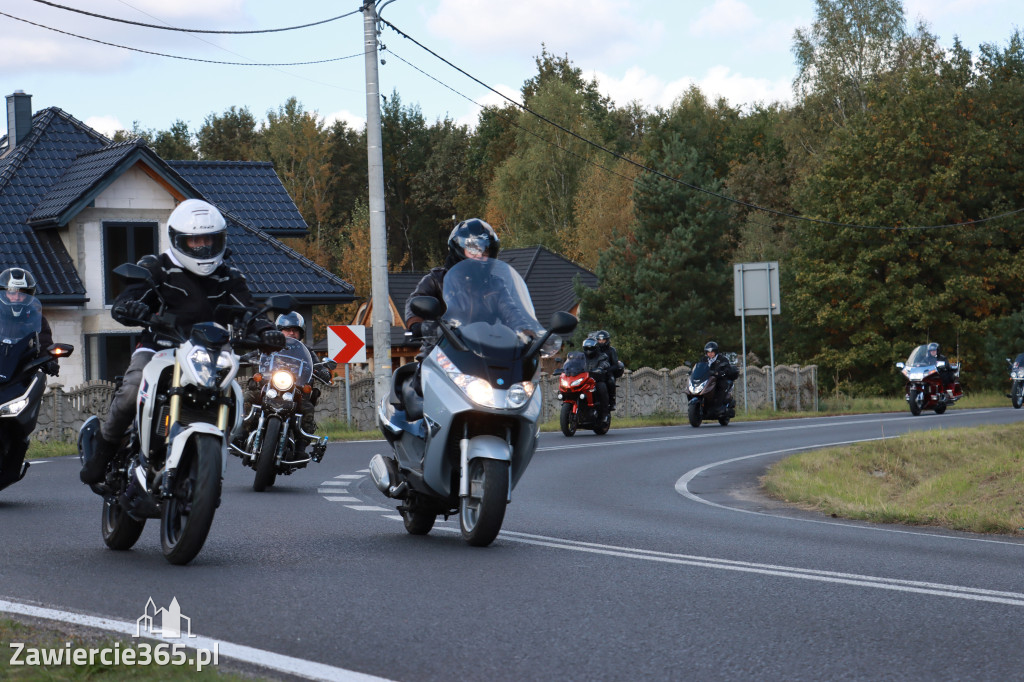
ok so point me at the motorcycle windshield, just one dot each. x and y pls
(20, 321)
(489, 306)
(575, 364)
(294, 358)
(919, 357)
(700, 372)
(1019, 361)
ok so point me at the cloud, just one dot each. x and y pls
(105, 125)
(719, 81)
(353, 121)
(488, 99)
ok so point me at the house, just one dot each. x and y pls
(550, 277)
(74, 205)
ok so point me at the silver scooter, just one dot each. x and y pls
(464, 426)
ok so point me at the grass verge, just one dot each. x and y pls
(966, 479)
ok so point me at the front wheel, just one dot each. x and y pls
(915, 399)
(266, 461)
(120, 531)
(568, 421)
(693, 412)
(188, 514)
(483, 510)
(1017, 399)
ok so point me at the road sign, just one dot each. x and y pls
(757, 288)
(346, 343)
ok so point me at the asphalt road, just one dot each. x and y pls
(643, 554)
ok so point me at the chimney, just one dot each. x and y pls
(19, 117)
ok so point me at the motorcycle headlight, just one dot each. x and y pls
(203, 367)
(14, 408)
(577, 383)
(282, 380)
(518, 394)
(476, 389)
(698, 388)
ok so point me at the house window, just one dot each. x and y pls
(124, 243)
(107, 355)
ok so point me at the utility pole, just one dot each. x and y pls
(378, 234)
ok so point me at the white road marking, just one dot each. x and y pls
(332, 491)
(367, 507)
(339, 498)
(310, 670)
(334, 483)
(349, 476)
(893, 584)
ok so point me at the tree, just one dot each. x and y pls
(229, 137)
(664, 289)
(175, 144)
(603, 211)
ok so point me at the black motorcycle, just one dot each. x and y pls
(701, 391)
(22, 383)
(1016, 394)
(285, 379)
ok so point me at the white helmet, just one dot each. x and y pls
(196, 218)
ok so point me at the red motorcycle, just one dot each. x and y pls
(577, 391)
(925, 387)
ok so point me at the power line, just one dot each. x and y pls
(781, 214)
(174, 56)
(191, 30)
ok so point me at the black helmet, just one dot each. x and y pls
(711, 345)
(18, 279)
(589, 346)
(602, 337)
(291, 320)
(473, 234)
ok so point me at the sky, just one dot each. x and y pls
(648, 51)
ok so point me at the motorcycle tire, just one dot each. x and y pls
(724, 421)
(482, 511)
(1017, 399)
(603, 426)
(266, 461)
(188, 514)
(120, 531)
(693, 413)
(915, 406)
(567, 421)
(940, 408)
(418, 522)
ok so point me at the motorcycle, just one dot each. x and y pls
(577, 391)
(285, 380)
(924, 389)
(22, 383)
(1016, 394)
(171, 462)
(464, 433)
(700, 389)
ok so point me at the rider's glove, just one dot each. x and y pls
(416, 328)
(135, 311)
(52, 368)
(272, 340)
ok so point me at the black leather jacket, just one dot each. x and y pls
(190, 297)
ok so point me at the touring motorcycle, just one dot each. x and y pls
(285, 378)
(22, 383)
(463, 426)
(700, 389)
(925, 389)
(170, 463)
(577, 391)
(1016, 394)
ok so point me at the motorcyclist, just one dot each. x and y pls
(599, 369)
(720, 366)
(292, 325)
(604, 344)
(946, 373)
(193, 280)
(17, 286)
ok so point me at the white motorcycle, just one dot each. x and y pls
(170, 464)
(464, 433)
